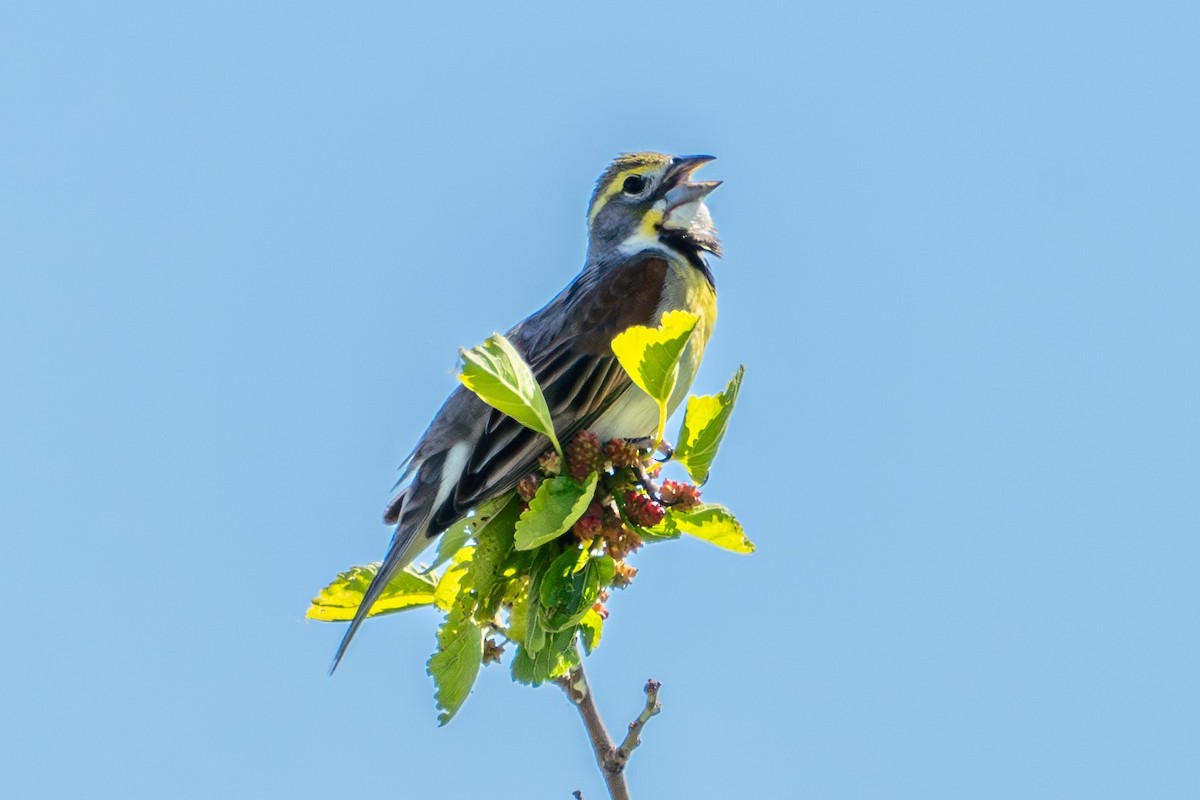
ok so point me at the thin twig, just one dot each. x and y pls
(610, 758)
(633, 737)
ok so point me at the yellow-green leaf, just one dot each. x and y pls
(558, 504)
(455, 664)
(651, 356)
(338, 601)
(449, 586)
(704, 425)
(715, 525)
(496, 373)
(591, 628)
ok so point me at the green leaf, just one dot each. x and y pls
(651, 356)
(558, 504)
(552, 661)
(451, 542)
(450, 585)
(664, 531)
(459, 533)
(591, 628)
(518, 619)
(496, 373)
(490, 566)
(455, 663)
(570, 587)
(338, 601)
(715, 525)
(704, 425)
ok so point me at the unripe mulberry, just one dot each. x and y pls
(622, 453)
(527, 487)
(679, 495)
(550, 464)
(583, 455)
(491, 651)
(623, 545)
(590, 525)
(624, 575)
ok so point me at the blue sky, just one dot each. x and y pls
(240, 246)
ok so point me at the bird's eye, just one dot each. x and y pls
(634, 184)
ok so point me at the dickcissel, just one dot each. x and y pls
(649, 235)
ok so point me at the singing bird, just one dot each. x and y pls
(649, 235)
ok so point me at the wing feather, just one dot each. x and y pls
(578, 373)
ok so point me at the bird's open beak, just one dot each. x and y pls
(685, 211)
(681, 189)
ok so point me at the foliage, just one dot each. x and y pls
(703, 428)
(496, 372)
(534, 567)
(651, 357)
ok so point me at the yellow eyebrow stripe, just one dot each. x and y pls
(612, 189)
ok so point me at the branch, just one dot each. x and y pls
(610, 758)
(632, 739)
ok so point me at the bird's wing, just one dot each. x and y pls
(471, 452)
(568, 346)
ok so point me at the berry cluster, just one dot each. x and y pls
(626, 499)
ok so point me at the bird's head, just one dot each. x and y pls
(647, 201)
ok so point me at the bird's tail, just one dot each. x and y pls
(407, 543)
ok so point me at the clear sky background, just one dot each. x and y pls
(240, 246)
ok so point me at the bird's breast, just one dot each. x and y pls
(687, 289)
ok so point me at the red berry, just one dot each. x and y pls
(642, 510)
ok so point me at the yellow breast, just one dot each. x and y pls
(687, 289)
(634, 414)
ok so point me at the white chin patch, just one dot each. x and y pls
(692, 217)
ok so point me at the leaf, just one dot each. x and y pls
(460, 532)
(518, 619)
(704, 425)
(526, 612)
(455, 663)
(496, 373)
(450, 585)
(552, 661)
(715, 525)
(591, 628)
(490, 561)
(558, 504)
(451, 542)
(651, 356)
(664, 531)
(338, 601)
(570, 587)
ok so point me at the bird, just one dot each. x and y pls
(649, 237)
